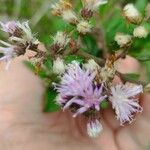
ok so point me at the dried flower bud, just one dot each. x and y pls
(91, 65)
(58, 66)
(84, 27)
(69, 16)
(59, 7)
(123, 40)
(140, 32)
(61, 39)
(94, 128)
(132, 14)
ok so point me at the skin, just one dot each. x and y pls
(23, 125)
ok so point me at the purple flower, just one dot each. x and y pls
(8, 53)
(78, 87)
(9, 27)
(124, 101)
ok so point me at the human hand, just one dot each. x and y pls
(23, 125)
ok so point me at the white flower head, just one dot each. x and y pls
(84, 27)
(132, 14)
(140, 32)
(69, 16)
(27, 35)
(124, 102)
(61, 39)
(93, 4)
(9, 27)
(94, 128)
(8, 52)
(123, 39)
(91, 65)
(58, 66)
(107, 73)
(60, 6)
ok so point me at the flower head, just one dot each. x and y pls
(124, 102)
(132, 14)
(58, 66)
(91, 65)
(78, 88)
(140, 32)
(69, 16)
(123, 40)
(94, 128)
(93, 4)
(61, 39)
(9, 27)
(84, 27)
(60, 7)
(27, 35)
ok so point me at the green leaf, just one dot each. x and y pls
(104, 104)
(70, 58)
(90, 44)
(49, 101)
(143, 58)
(132, 76)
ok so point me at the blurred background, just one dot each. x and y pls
(45, 25)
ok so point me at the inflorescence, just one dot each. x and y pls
(82, 87)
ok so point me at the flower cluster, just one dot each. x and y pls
(82, 94)
(133, 16)
(21, 39)
(78, 67)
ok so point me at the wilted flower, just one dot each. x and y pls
(107, 73)
(64, 9)
(60, 7)
(123, 40)
(58, 66)
(93, 4)
(9, 27)
(61, 39)
(8, 52)
(140, 32)
(124, 101)
(84, 27)
(26, 34)
(69, 16)
(132, 14)
(77, 87)
(94, 128)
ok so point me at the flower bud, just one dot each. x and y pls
(123, 40)
(132, 14)
(140, 32)
(84, 27)
(91, 65)
(61, 39)
(69, 16)
(58, 66)
(94, 128)
(60, 6)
